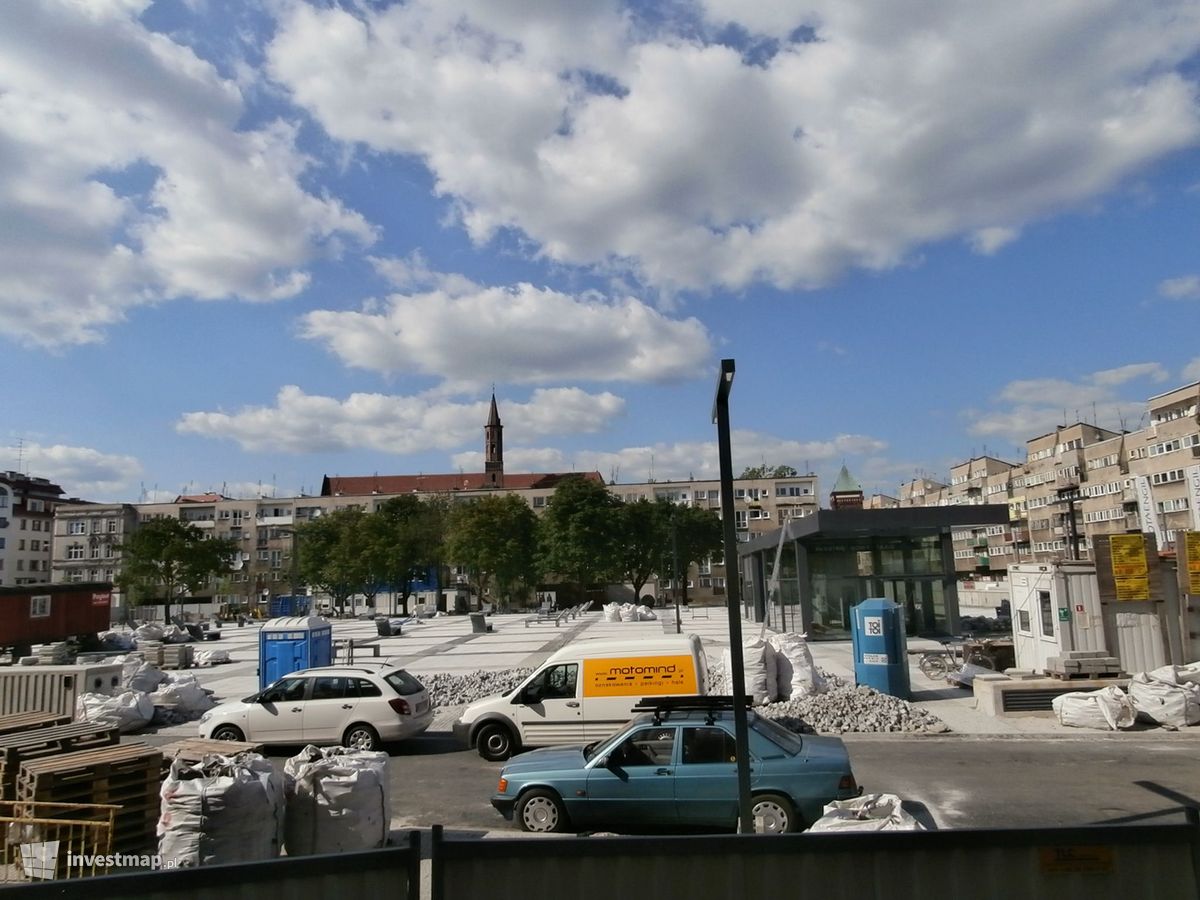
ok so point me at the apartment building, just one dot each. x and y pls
(978, 481)
(87, 543)
(26, 517)
(921, 492)
(1164, 465)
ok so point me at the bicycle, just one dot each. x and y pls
(937, 664)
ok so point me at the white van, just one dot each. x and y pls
(584, 692)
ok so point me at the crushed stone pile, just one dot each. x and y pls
(446, 689)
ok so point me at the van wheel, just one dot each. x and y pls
(495, 743)
(541, 812)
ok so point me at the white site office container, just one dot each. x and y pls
(53, 689)
(1055, 609)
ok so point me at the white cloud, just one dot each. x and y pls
(80, 471)
(607, 139)
(307, 423)
(1186, 287)
(1033, 407)
(127, 180)
(470, 335)
(1191, 372)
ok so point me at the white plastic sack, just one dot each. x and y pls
(137, 675)
(758, 667)
(116, 640)
(612, 612)
(645, 614)
(628, 612)
(221, 810)
(211, 657)
(871, 812)
(1108, 709)
(1172, 705)
(148, 633)
(130, 711)
(795, 671)
(173, 634)
(337, 800)
(1189, 674)
(184, 695)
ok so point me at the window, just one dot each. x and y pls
(539, 502)
(77, 527)
(1167, 477)
(1046, 612)
(75, 551)
(654, 746)
(403, 683)
(705, 746)
(555, 683)
(326, 688)
(39, 607)
(366, 688)
(112, 526)
(286, 691)
(36, 505)
(1023, 621)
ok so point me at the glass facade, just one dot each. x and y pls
(826, 577)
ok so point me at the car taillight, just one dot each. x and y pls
(847, 783)
(502, 786)
(400, 705)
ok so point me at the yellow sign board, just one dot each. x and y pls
(1192, 543)
(1129, 567)
(639, 676)
(1071, 860)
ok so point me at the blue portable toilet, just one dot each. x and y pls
(880, 647)
(288, 605)
(291, 643)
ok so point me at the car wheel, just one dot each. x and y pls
(773, 814)
(541, 811)
(228, 733)
(495, 743)
(361, 737)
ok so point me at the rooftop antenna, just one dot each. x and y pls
(650, 475)
(20, 454)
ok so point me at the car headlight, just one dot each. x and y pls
(206, 717)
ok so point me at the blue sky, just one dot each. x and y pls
(243, 246)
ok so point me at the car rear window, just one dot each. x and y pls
(403, 683)
(775, 735)
(367, 688)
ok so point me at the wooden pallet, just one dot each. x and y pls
(128, 775)
(19, 722)
(1081, 676)
(40, 742)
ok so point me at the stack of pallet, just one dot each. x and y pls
(177, 656)
(28, 721)
(1083, 664)
(127, 775)
(38, 743)
(56, 654)
(151, 652)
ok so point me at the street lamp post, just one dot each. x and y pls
(720, 416)
(675, 569)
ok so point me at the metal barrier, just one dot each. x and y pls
(1090, 863)
(53, 840)
(393, 872)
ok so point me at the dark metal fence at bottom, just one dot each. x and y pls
(392, 872)
(1149, 862)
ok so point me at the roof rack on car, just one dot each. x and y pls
(706, 703)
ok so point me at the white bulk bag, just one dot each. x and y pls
(1108, 709)
(1172, 705)
(147, 633)
(184, 694)
(225, 809)
(337, 800)
(795, 671)
(612, 612)
(870, 812)
(1189, 674)
(211, 657)
(628, 612)
(645, 614)
(129, 711)
(758, 667)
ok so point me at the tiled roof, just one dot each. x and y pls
(361, 485)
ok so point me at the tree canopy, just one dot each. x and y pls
(405, 535)
(643, 539)
(579, 534)
(335, 554)
(495, 538)
(166, 555)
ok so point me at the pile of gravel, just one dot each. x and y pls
(446, 689)
(843, 707)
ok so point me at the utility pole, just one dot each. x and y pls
(675, 569)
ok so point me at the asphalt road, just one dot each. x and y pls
(947, 782)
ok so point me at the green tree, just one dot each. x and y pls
(642, 539)
(335, 554)
(579, 534)
(495, 538)
(698, 535)
(165, 556)
(765, 471)
(406, 535)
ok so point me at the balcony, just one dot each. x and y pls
(276, 520)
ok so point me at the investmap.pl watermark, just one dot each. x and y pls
(40, 859)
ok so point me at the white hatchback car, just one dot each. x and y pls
(347, 705)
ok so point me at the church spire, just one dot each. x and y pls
(493, 448)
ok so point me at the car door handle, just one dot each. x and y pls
(574, 704)
(662, 771)
(297, 709)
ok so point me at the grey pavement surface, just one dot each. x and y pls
(447, 644)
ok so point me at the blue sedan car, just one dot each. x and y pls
(677, 767)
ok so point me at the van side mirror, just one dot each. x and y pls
(533, 693)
